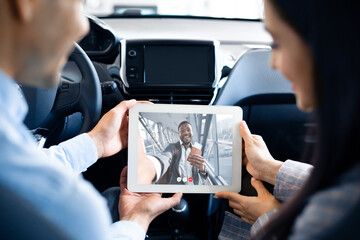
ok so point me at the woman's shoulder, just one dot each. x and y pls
(330, 207)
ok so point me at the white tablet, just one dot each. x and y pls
(184, 148)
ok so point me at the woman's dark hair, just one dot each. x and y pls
(330, 30)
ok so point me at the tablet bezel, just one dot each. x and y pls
(132, 184)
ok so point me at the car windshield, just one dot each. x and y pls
(230, 9)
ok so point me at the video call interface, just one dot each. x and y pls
(188, 149)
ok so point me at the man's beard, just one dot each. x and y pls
(186, 142)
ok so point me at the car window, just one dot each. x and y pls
(232, 9)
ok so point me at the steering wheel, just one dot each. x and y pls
(79, 90)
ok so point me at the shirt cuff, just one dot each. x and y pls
(234, 228)
(127, 230)
(81, 152)
(261, 222)
(290, 179)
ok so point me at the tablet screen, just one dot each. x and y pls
(188, 148)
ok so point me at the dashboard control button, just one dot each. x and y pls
(132, 53)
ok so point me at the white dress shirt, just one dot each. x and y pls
(49, 179)
(185, 168)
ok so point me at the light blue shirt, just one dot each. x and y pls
(49, 179)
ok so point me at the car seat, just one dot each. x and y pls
(269, 106)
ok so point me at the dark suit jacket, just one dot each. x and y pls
(170, 161)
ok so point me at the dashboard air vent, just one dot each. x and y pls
(202, 97)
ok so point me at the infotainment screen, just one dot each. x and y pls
(177, 64)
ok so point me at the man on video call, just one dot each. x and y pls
(175, 165)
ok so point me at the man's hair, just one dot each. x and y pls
(182, 123)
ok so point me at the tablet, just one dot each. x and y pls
(184, 148)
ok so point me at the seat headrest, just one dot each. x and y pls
(252, 76)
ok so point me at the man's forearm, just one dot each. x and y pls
(146, 170)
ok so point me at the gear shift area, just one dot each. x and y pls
(177, 218)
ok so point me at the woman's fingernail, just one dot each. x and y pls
(215, 197)
(243, 124)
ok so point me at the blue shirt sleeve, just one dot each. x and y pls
(127, 230)
(76, 154)
(39, 177)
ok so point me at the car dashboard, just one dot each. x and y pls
(176, 61)
(183, 68)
